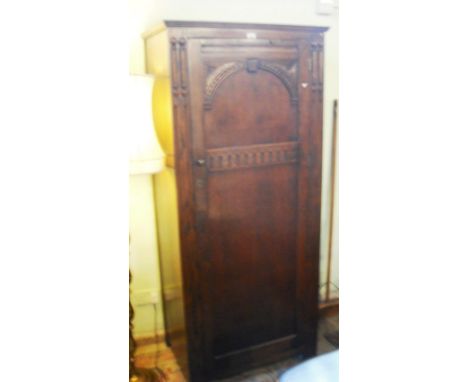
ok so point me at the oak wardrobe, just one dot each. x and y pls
(238, 111)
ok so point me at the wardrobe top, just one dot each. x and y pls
(169, 24)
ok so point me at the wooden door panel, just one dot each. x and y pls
(241, 112)
(247, 147)
(251, 223)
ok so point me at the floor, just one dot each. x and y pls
(157, 354)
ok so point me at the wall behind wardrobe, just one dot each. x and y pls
(146, 14)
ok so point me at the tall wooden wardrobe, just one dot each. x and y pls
(238, 111)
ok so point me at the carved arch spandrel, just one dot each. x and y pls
(216, 77)
(224, 71)
(282, 73)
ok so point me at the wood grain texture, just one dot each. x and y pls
(248, 137)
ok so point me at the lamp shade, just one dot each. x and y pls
(145, 153)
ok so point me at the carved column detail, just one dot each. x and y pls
(316, 50)
(179, 69)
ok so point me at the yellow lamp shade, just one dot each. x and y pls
(145, 153)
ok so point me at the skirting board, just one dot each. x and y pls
(149, 339)
(329, 309)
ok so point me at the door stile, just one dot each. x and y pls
(306, 248)
(200, 186)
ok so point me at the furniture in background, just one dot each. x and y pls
(238, 111)
(329, 305)
(332, 199)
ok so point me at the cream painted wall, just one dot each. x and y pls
(145, 293)
(144, 15)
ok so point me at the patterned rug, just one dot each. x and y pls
(152, 352)
(149, 355)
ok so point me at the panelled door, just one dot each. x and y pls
(255, 151)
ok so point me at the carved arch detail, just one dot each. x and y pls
(217, 77)
(282, 73)
(226, 70)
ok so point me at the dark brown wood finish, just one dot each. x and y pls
(247, 111)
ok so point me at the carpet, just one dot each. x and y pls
(333, 338)
(150, 355)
